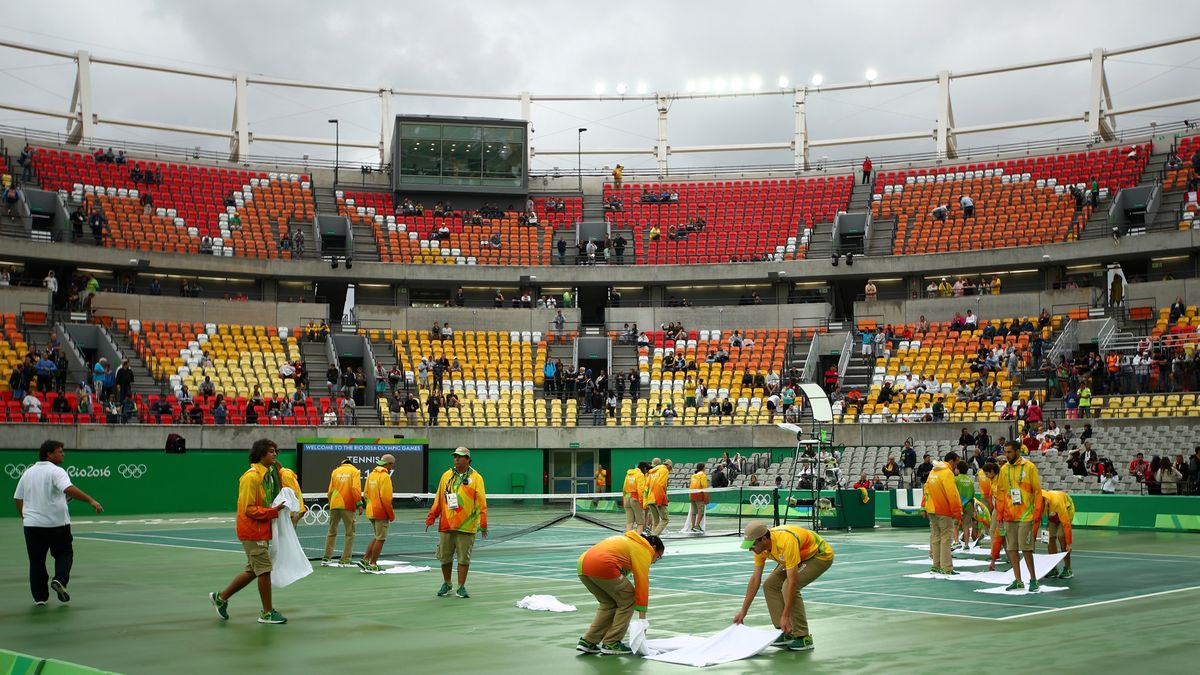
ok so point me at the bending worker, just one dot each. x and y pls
(1060, 511)
(602, 570)
(803, 555)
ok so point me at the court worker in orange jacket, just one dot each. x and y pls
(460, 507)
(345, 497)
(944, 509)
(379, 510)
(602, 570)
(634, 497)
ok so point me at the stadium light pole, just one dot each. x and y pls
(337, 149)
(579, 157)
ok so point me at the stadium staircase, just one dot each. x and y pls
(821, 244)
(144, 383)
(365, 248)
(316, 359)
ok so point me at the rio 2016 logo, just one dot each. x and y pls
(14, 471)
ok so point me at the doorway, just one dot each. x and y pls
(572, 471)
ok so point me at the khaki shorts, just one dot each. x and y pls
(968, 518)
(1018, 536)
(451, 542)
(258, 557)
(381, 528)
(1056, 530)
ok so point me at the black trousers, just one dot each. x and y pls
(57, 542)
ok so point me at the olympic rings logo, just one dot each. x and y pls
(317, 514)
(14, 471)
(760, 500)
(131, 470)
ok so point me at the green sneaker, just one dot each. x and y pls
(783, 640)
(346, 562)
(444, 590)
(587, 646)
(362, 564)
(462, 592)
(937, 570)
(1066, 573)
(221, 605)
(1015, 586)
(801, 644)
(271, 617)
(615, 648)
(1033, 586)
(950, 572)
(370, 569)
(326, 562)
(1052, 574)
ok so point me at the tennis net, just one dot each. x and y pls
(551, 520)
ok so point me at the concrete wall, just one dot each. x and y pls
(985, 306)
(1162, 293)
(727, 317)
(166, 308)
(16, 299)
(461, 318)
(99, 437)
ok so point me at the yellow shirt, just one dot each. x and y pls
(792, 545)
(636, 485)
(1018, 483)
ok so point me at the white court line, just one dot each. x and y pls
(151, 543)
(1152, 560)
(923, 597)
(1100, 602)
(160, 536)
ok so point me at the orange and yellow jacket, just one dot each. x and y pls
(941, 496)
(379, 495)
(601, 479)
(345, 487)
(792, 545)
(1022, 477)
(699, 481)
(287, 478)
(658, 484)
(471, 514)
(636, 485)
(985, 488)
(1059, 507)
(254, 515)
(616, 557)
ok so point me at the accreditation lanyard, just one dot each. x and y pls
(1014, 493)
(452, 486)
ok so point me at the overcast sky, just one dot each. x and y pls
(568, 47)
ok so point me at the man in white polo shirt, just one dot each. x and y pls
(41, 500)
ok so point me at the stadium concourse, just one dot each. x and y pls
(1036, 299)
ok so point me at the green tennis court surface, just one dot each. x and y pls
(139, 604)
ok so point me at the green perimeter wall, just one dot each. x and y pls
(206, 481)
(498, 467)
(1172, 513)
(130, 482)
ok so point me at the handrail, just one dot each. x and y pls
(1068, 336)
(847, 350)
(810, 362)
(1106, 334)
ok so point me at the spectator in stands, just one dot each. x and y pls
(1139, 468)
(886, 393)
(1194, 460)
(619, 245)
(726, 408)
(348, 410)
(866, 170)
(871, 292)
(968, 206)
(923, 469)
(1169, 479)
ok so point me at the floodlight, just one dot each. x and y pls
(871, 74)
(718, 84)
(600, 87)
(817, 80)
(735, 83)
(754, 82)
(705, 85)
(690, 86)
(642, 87)
(621, 88)
(783, 82)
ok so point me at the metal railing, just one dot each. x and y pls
(809, 373)
(1064, 345)
(847, 351)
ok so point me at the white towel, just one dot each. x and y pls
(636, 639)
(1043, 563)
(732, 644)
(544, 603)
(288, 562)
